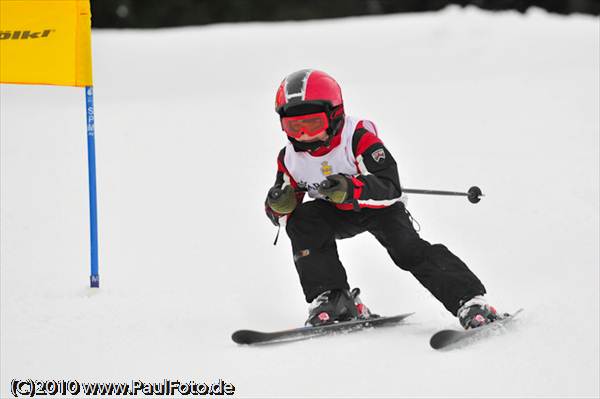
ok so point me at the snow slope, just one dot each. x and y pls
(186, 147)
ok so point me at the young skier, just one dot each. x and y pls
(342, 163)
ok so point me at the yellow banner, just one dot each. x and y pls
(46, 42)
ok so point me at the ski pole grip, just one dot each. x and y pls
(275, 193)
(327, 184)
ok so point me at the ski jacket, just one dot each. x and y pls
(356, 152)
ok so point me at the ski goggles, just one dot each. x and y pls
(310, 124)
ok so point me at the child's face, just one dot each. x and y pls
(310, 139)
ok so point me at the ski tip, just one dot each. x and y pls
(441, 338)
(445, 338)
(242, 337)
(435, 345)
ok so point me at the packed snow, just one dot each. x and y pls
(186, 146)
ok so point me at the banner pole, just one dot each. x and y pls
(89, 102)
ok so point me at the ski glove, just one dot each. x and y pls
(282, 201)
(337, 189)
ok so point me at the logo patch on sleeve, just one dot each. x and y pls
(378, 155)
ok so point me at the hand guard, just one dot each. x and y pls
(282, 201)
(337, 189)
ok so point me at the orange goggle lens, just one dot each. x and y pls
(311, 124)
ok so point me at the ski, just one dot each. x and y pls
(446, 338)
(251, 337)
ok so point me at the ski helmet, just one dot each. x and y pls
(310, 91)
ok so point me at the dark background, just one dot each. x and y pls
(164, 13)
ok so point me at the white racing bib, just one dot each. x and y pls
(309, 170)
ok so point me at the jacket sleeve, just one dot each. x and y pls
(282, 178)
(378, 179)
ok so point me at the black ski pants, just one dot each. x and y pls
(315, 225)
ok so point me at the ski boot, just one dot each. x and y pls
(476, 312)
(363, 311)
(336, 305)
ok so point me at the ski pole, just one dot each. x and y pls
(473, 194)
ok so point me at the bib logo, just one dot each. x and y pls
(326, 168)
(25, 34)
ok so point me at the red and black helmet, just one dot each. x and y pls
(307, 86)
(310, 91)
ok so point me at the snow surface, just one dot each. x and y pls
(186, 146)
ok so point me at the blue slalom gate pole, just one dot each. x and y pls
(91, 141)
